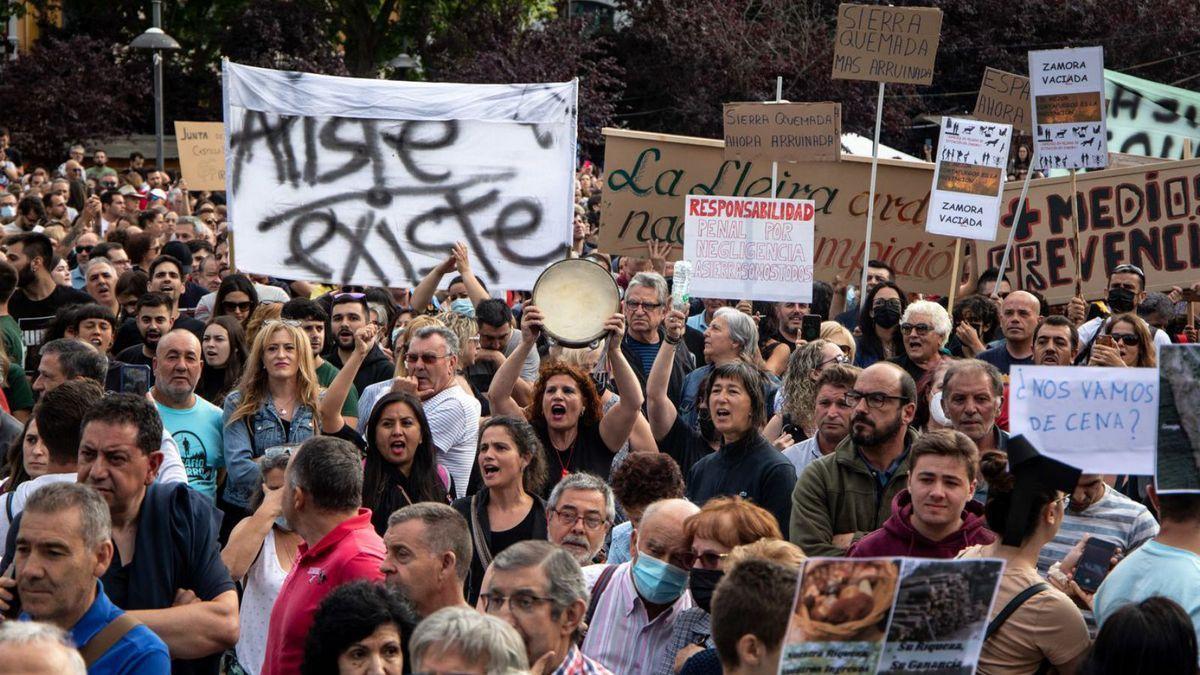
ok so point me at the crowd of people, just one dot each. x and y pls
(212, 471)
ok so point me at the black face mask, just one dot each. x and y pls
(888, 315)
(702, 583)
(1121, 300)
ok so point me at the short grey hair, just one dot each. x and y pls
(584, 481)
(475, 637)
(36, 632)
(329, 470)
(98, 260)
(1157, 303)
(191, 221)
(742, 330)
(651, 280)
(445, 530)
(95, 522)
(563, 573)
(78, 359)
(451, 338)
(964, 366)
(937, 316)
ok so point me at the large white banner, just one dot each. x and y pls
(749, 248)
(1067, 100)
(968, 180)
(370, 182)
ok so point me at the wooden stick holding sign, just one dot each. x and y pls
(884, 44)
(1012, 231)
(775, 163)
(1075, 224)
(957, 278)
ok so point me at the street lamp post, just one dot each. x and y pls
(157, 42)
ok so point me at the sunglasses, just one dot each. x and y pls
(232, 306)
(918, 328)
(84, 249)
(1130, 339)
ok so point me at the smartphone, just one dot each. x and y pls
(1094, 564)
(1106, 340)
(810, 327)
(135, 379)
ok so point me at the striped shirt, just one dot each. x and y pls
(621, 635)
(578, 664)
(1115, 518)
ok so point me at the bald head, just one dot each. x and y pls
(177, 366)
(660, 533)
(1019, 319)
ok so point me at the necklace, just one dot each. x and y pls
(559, 453)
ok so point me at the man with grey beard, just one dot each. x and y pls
(580, 512)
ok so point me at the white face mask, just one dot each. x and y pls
(936, 412)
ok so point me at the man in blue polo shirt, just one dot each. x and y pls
(63, 546)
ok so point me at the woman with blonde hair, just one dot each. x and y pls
(840, 336)
(262, 314)
(795, 403)
(275, 404)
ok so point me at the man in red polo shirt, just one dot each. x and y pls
(322, 492)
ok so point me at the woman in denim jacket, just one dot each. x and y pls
(275, 404)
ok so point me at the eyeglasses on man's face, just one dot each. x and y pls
(874, 399)
(569, 517)
(521, 602)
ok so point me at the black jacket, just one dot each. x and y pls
(750, 468)
(480, 520)
(377, 367)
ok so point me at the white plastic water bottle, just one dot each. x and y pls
(680, 297)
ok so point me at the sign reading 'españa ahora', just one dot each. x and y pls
(648, 176)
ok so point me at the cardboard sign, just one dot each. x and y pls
(969, 178)
(1142, 215)
(1004, 98)
(1149, 118)
(1177, 454)
(1068, 108)
(753, 249)
(324, 188)
(648, 176)
(1099, 420)
(880, 43)
(783, 132)
(890, 615)
(201, 147)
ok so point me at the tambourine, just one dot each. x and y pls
(576, 297)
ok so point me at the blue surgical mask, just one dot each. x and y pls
(8, 212)
(658, 582)
(463, 306)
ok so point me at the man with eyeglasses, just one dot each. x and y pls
(538, 589)
(1126, 290)
(453, 413)
(645, 307)
(83, 252)
(1020, 314)
(579, 513)
(842, 497)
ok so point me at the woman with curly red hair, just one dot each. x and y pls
(565, 410)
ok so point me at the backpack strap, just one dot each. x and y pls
(1012, 606)
(107, 637)
(598, 589)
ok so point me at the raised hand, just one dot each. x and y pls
(531, 323)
